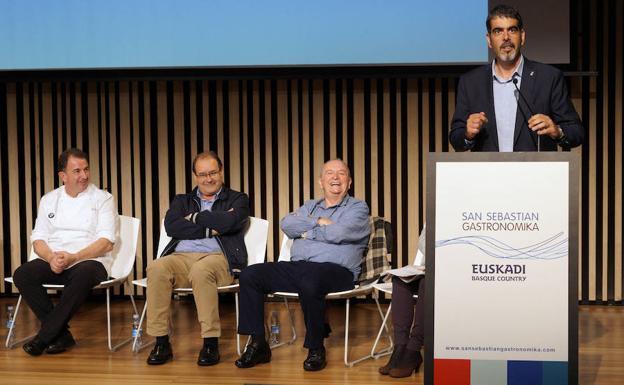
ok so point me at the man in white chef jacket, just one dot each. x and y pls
(75, 230)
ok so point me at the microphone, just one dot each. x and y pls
(515, 83)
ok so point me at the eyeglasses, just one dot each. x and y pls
(211, 174)
(512, 31)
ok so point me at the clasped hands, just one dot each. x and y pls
(61, 260)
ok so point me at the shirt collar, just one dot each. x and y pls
(201, 198)
(517, 71)
(343, 202)
(83, 192)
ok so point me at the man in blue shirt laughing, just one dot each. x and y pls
(330, 235)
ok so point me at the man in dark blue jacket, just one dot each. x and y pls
(513, 103)
(207, 226)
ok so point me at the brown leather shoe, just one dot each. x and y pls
(397, 353)
(409, 363)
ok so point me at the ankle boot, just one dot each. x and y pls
(397, 353)
(408, 363)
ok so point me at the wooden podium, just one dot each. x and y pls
(502, 251)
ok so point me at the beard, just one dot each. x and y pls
(507, 57)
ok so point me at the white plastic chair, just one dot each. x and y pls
(124, 256)
(255, 241)
(358, 290)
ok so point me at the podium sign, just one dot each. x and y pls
(502, 304)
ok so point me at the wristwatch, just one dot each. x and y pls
(562, 140)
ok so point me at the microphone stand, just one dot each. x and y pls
(515, 83)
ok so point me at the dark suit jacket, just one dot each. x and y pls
(545, 90)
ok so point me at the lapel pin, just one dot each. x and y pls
(532, 72)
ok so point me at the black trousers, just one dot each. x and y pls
(311, 280)
(408, 314)
(78, 281)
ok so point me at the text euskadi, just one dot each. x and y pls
(498, 272)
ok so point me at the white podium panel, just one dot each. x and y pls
(502, 305)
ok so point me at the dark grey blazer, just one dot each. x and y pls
(545, 90)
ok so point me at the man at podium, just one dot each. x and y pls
(513, 103)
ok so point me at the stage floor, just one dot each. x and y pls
(601, 355)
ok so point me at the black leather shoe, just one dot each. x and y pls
(34, 347)
(208, 356)
(63, 342)
(316, 360)
(257, 352)
(160, 354)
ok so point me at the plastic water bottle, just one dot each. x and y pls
(136, 329)
(10, 322)
(274, 337)
(10, 310)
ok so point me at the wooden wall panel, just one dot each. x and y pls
(274, 135)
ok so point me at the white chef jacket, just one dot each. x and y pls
(70, 224)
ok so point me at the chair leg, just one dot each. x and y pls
(238, 348)
(9, 343)
(292, 323)
(292, 328)
(346, 348)
(135, 347)
(136, 311)
(108, 327)
(346, 342)
(238, 336)
(108, 323)
(348, 363)
(384, 325)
